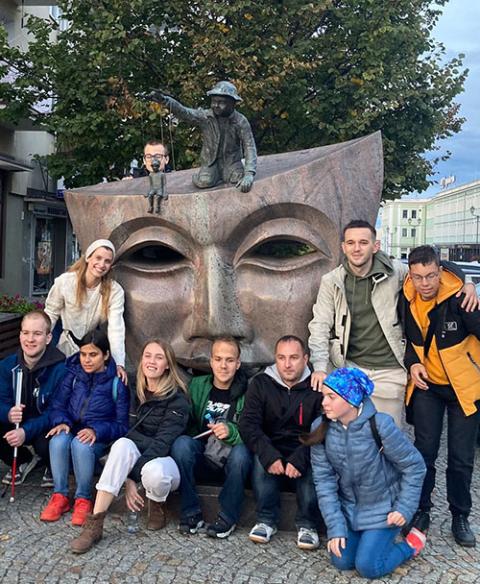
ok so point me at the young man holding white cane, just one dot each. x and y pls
(25, 421)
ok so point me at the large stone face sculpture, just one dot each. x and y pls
(208, 265)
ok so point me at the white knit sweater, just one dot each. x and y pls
(79, 320)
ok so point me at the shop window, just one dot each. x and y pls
(43, 259)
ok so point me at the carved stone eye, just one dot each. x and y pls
(152, 256)
(282, 249)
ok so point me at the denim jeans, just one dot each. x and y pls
(373, 552)
(428, 409)
(267, 495)
(188, 454)
(65, 448)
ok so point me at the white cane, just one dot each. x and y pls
(18, 374)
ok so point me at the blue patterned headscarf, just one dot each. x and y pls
(351, 384)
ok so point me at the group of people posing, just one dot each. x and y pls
(323, 420)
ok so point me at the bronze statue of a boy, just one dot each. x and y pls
(227, 138)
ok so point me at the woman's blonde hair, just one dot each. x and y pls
(80, 267)
(170, 380)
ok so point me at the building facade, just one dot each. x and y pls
(449, 221)
(36, 240)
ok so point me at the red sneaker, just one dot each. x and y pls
(416, 539)
(56, 507)
(81, 509)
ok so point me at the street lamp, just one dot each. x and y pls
(477, 216)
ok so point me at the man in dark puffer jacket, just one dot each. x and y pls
(280, 406)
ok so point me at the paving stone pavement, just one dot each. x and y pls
(35, 552)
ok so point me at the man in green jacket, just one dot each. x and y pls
(217, 401)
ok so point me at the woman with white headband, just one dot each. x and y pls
(86, 296)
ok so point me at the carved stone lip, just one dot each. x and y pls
(192, 272)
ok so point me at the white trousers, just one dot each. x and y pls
(159, 476)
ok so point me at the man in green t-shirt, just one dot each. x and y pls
(217, 401)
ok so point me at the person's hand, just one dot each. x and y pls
(57, 429)
(276, 468)
(419, 375)
(133, 498)
(292, 472)
(220, 430)
(15, 414)
(87, 436)
(396, 518)
(245, 184)
(159, 96)
(471, 301)
(317, 380)
(335, 545)
(15, 438)
(122, 374)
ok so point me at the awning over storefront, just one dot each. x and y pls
(12, 165)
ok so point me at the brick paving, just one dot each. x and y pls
(32, 551)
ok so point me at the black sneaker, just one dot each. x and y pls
(191, 525)
(421, 521)
(462, 532)
(47, 479)
(22, 471)
(220, 528)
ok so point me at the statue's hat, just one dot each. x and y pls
(225, 88)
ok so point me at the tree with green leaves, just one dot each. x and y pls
(310, 74)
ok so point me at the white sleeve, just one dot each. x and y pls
(116, 324)
(55, 302)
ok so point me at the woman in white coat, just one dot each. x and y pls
(86, 296)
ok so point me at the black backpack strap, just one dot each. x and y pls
(376, 435)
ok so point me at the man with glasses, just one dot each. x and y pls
(43, 371)
(443, 359)
(153, 150)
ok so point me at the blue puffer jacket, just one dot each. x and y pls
(355, 483)
(86, 400)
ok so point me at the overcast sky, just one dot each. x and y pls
(459, 30)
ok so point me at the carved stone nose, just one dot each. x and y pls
(216, 308)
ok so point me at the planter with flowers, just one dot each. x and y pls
(12, 309)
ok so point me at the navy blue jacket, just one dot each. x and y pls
(86, 400)
(357, 485)
(43, 379)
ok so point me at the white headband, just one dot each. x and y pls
(99, 243)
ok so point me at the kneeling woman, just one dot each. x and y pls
(143, 455)
(368, 477)
(89, 411)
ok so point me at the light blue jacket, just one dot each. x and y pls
(356, 484)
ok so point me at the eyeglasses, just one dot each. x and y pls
(428, 278)
(155, 156)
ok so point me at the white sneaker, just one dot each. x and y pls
(262, 533)
(307, 539)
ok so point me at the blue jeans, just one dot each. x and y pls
(188, 454)
(65, 447)
(267, 494)
(373, 552)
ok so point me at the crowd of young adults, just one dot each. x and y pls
(325, 422)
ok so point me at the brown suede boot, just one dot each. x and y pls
(92, 532)
(157, 518)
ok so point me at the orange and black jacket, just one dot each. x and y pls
(456, 333)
